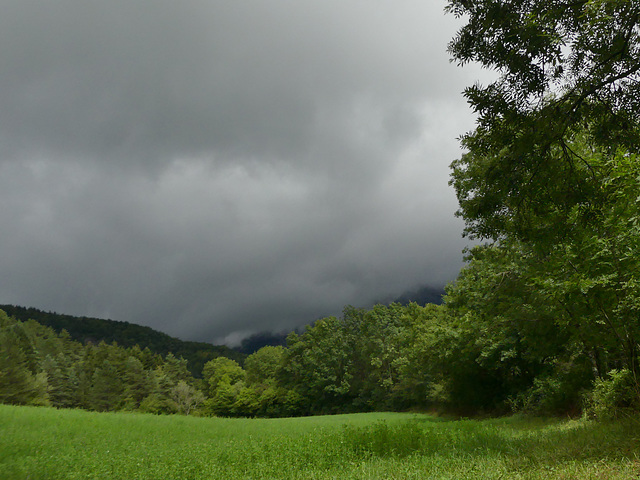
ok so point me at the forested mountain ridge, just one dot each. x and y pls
(125, 334)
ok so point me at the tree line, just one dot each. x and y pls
(550, 183)
(94, 330)
(395, 357)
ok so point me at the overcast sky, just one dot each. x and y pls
(213, 168)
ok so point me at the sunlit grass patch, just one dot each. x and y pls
(43, 443)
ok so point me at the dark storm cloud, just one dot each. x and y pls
(213, 168)
(135, 81)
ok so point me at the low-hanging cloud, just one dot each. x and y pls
(215, 168)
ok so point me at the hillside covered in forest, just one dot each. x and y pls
(96, 330)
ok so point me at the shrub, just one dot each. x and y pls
(614, 396)
(551, 395)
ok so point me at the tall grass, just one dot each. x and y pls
(42, 443)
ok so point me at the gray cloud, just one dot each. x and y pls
(213, 168)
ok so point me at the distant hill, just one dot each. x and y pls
(421, 296)
(258, 340)
(95, 330)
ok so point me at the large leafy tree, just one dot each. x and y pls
(551, 171)
(317, 366)
(511, 339)
(565, 68)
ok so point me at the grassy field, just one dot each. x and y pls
(43, 443)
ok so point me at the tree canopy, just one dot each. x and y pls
(551, 176)
(567, 71)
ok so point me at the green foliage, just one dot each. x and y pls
(551, 176)
(225, 381)
(158, 403)
(21, 382)
(95, 330)
(560, 391)
(384, 346)
(614, 396)
(40, 367)
(106, 388)
(264, 365)
(507, 338)
(563, 70)
(136, 382)
(222, 371)
(317, 366)
(174, 369)
(186, 397)
(570, 299)
(62, 381)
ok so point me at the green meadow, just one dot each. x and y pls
(44, 443)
